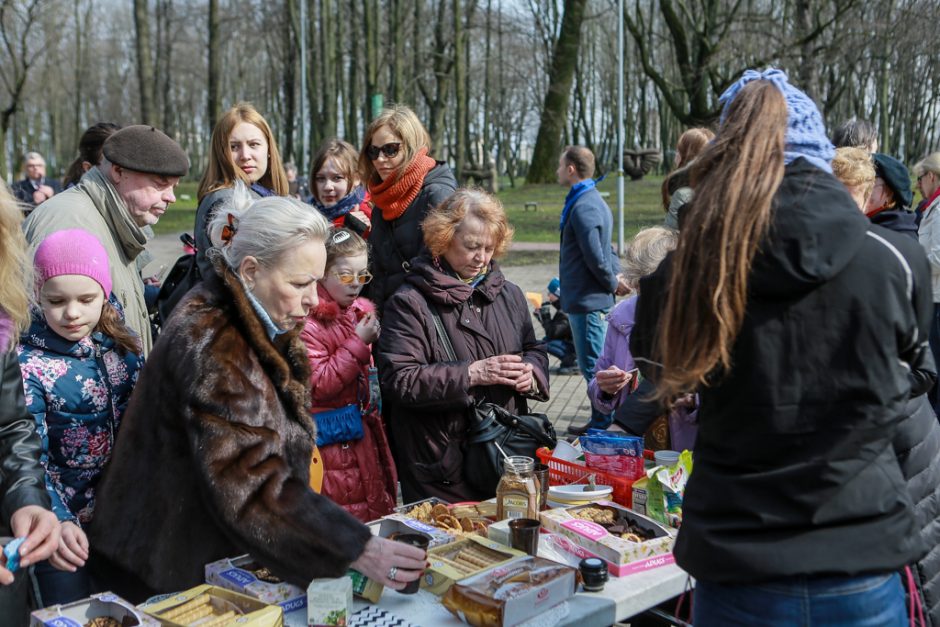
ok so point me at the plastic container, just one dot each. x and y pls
(666, 458)
(562, 472)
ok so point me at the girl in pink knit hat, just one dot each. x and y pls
(79, 363)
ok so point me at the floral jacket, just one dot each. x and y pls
(77, 392)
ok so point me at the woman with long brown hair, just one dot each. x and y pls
(242, 149)
(774, 308)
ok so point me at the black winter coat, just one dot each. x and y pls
(213, 458)
(917, 444)
(398, 241)
(897, 220)
(23, 479)
(426, 395)
(795, 472)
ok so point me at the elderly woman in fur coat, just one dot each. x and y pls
(214, 456)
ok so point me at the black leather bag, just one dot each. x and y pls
(491, 424)
(516, 435)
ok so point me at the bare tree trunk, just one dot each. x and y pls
(328, 95)
(165, 30)
(289, 79)
(395, 31)
(213, 102)
(460, 89)
(555, 108)
(371, 23)
(353, 98)
(144, 62)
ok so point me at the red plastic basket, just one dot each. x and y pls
(561, 472)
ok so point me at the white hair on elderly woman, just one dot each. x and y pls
(647, 250)
(264, 229)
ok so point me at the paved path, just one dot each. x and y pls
(568, 404)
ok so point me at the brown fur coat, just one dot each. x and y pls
(213, 457)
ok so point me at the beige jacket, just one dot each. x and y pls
(94, 206)
(929, 236)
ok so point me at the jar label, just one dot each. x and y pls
(515, 507)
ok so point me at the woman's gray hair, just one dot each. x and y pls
(930, 163)
(265, 229)
(647, 250)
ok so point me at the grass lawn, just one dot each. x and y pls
(642, 208)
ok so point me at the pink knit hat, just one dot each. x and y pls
(73, 251)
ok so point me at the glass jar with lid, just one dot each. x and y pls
(517, 494)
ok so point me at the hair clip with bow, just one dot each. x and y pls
(229, 230)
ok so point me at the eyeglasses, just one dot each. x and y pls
(348, 279)
(390, 150)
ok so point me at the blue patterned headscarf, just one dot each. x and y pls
(806, 132)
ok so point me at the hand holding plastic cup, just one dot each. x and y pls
(414, 539)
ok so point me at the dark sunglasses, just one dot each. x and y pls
(390, 150)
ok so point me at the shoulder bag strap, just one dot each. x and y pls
(441, 331)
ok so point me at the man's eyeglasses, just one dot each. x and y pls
(390, 150)
(348, 279)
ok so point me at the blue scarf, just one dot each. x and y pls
(261, 190)
(346, 204)
(576, 191)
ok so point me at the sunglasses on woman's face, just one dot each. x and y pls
(348, 279)
(390, 150)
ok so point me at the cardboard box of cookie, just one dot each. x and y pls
(244, 575)
(464, 558)
(212, 606)
(99, 610)
(627, 541)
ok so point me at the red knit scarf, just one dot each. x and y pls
(395, 194)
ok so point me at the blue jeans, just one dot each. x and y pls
(587, 332)
(60, 586)
(559, 348)
(869, 601)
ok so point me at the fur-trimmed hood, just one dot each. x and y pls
(328, 310)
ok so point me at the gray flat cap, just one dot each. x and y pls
(146, 149)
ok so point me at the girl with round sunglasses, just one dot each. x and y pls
(404, 183)
(358, 470)
(336, 190)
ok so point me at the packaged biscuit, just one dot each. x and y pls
(211, 606)
(511, 593)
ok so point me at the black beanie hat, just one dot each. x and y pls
(146, 149)
(895, 176)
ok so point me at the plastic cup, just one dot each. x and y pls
(414, 539)
(541, 473)
(524, 535)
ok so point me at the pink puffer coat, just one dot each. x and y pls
(360, 475)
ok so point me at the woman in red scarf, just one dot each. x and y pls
(404, 183)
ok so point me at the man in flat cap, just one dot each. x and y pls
(129, 190)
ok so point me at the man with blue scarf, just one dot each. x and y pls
(588, 267)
